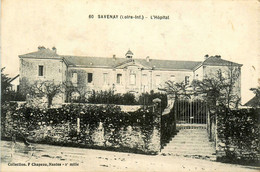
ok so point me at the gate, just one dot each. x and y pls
(191, 111)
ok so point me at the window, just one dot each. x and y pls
(144, 79)
(187, 80)
(119, 78)
(90, 77)
(172, 78)
(105, 78)
(157, 80)
(132, 79)
(74, 78)
(40, 70)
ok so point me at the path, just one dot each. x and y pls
(98, 160)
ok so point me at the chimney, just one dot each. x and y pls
(148, 59)
(114, 57)
(206, 56)
(54, 49)
(41, 48)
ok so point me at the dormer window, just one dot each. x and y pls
(129, 54)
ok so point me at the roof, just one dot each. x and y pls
(218, 61)
(41, 53)
(14, 78)
(109, 62)
(169, 64)
(129, 52)
(254, 102)
(93, 61)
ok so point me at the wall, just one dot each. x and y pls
(54, 70)
(166, 76)
(198, 73)
(211, 71)
(90, 126)
(142, 84)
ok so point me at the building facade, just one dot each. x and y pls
(128, 74)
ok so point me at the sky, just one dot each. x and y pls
(194, 28)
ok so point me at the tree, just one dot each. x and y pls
(255, 102)
(219, 88)
(46, 89)
(219, 92)
(174, 91)
(70, 89)
(5, 82)
(7, 94)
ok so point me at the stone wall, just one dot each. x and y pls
(91, 126)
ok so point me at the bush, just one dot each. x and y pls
(239, 132)
(147, 99)
(13, 96)
(109, 97)
(100, 125)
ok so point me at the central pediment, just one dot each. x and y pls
(131, 62)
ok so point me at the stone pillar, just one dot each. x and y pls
(98, 135)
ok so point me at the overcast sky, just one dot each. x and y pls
(195, 28)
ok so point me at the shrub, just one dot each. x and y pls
(147, 99)
(239, 131)
(109, 97)
(59, 125)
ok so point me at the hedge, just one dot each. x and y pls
(238, 134)
(103, 126)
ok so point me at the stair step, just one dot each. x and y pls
(190, 147)
(189, 153)
(191, 142)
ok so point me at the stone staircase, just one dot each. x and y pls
(191, 142)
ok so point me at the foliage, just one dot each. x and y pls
(107, 97)
(256, 100)
(6, 93)
(5, 84)
(47, 89)
(176, 89)
(71, 89)
(29, 121)
(14, 96)
(147, 99)
(219, 88)
(110, 97)
(239, 130)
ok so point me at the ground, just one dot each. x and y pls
(59, 158)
